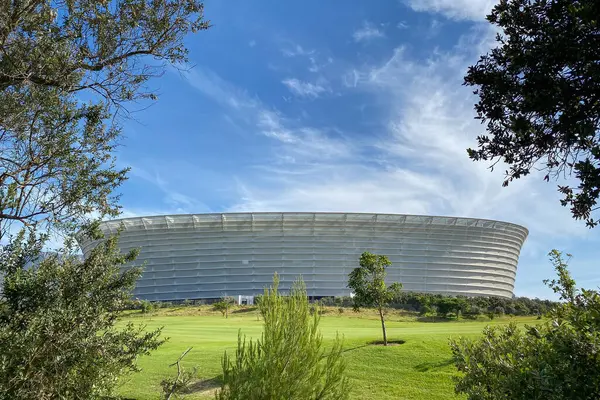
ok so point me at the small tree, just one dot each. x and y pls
(556, 360)
(289, 361)
(368, 285)
(224, 305)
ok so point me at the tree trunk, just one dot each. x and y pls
(383, 326)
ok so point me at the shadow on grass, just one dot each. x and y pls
(205, 385)
(426, 366)
(244, 310)
(375, 343)
(397, 342)
(435, 319)
(354, 348)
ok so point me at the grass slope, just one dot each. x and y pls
(419, 369)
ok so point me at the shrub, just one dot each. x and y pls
(58, 338)
(555, 360)
(473, 312)
(147, 306)
(289, 361)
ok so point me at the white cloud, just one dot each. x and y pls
(367, 32)
(292, 139)
(434, 28)
(174, 201)
(351, 78)
(454, 9)
(315, 66)
(402, 25)
(304, 89)
(213, 86)
(296, 50)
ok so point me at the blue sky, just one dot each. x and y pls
(338, 106)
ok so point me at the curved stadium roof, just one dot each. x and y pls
(196, 256)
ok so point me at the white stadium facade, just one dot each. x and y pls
(206, 256)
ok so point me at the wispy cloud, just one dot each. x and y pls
(296, 50)
(252, 43)
(174, 201)
(293, 139)
(304, 89)
(402, 25)
(221, 91)
(455, 9)
(316, 66)
(367, 32)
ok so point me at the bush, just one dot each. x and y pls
(58, 338)
(473, 311)
(146, 306)
(556, 360)
(426, 309)
(289, 361)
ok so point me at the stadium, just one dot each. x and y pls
(207, 256)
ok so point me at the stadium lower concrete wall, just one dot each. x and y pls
(212, 255)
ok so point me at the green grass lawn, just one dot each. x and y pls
(420, 368)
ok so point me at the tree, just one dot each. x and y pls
(67, 69)
(447, 305)
(368, 284)
(223, 305)
(289, 361)
(539, 92)
(556, 360)
(58, 337)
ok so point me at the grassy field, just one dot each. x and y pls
(420, 368)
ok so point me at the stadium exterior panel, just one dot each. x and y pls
(205, 256)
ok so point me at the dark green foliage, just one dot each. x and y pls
(427, 303)
(450, 305)
(472, 311)
(368, 284)
(289, 361)
(57, 323)
(556, 360)
(412, 301)
(66, 68)
(538, 95)
(499, 310)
